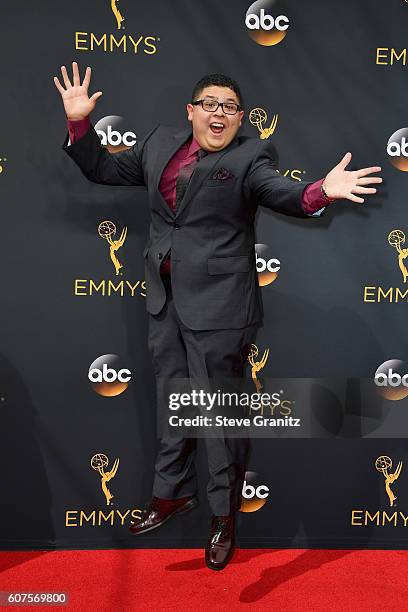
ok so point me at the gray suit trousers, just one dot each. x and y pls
(179, 352)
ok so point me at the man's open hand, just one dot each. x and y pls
(343, 184)
(77, 104)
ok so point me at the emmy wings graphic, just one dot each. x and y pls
(258, 117)
(107, 230)
(118, 16)
(256, 366)
(98, 463)
(396, 238)
(383, 464)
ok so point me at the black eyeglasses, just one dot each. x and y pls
(229, 108)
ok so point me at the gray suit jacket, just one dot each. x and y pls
(212, 236)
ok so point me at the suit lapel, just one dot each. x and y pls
(164, 156)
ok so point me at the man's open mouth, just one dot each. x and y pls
(216, 127)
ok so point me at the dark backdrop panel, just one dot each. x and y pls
(331, 97)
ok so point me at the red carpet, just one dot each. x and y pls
(156, 580)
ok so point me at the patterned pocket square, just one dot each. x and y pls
(222, 174)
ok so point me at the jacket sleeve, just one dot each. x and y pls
(100, 166)
(270, 188)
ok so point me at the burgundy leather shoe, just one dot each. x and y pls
(221, 545)
(160, 510)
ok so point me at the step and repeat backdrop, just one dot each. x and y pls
(77, 389)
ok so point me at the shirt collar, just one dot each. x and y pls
(194, 146)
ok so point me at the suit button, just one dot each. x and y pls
(176, 226)
(160, 255)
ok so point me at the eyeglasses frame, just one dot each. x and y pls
(197, 102)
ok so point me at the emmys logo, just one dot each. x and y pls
(383, 464)
(265, 28)
(253, 496)
(396, 238)
(98, 518)
(397, 149)
(106, 230)
(258, 117)
(391, 380)
(89, 287)
(257, 366)
(118, 16)
(107, 377)
(382, 518)
(2, 160)
(98, 463)
(364, 518)
(276, 405)
(266, 267)
(114, 134)
(109, 43)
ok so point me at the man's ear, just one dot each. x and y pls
(190, 109)
(241, 114)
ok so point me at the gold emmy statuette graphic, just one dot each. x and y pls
(258, 117)
(106, 230)
(119, 17)
(257, 365)
(98, 463)
(395, 239)
(383, 464)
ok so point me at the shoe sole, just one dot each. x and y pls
(190, 505)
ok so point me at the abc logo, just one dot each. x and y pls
(107, 377)
(267, 22)
(253, 496)
(114, 134)
(397, 149)
(267, 267)
(391, 379)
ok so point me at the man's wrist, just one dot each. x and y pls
(78, 129)
(77, 118)
(313, 201)
(324, 193)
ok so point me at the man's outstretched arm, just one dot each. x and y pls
(94, 160)
(276, 192)
(83, 145)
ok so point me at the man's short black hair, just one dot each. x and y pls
(217, 79)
